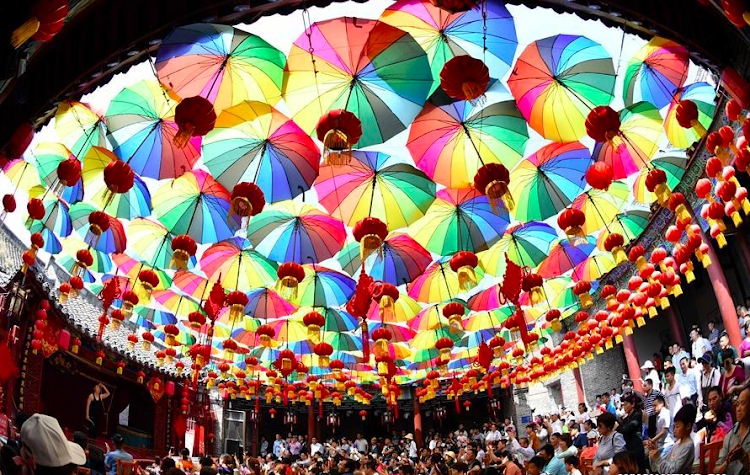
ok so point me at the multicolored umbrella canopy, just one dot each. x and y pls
(444, 35)
(150, 241)
(558, 80)
(221, 63)
(704, 97)
(254, 142)
(401, 260)
(22, 175)
(451, 141)
(655, 73)
(56, 214)
(376, 71)
(142, 130)
(673, 163)
(323, 287)
(438, 283)
(563, 257)
(110, 241)
(48, 156)
(525, 244)
(601, 206)
(79, 127)
(378, 185)
(291, 232)
(237, 266)
(629, 224)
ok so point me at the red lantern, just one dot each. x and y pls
(197, 319)
(314, 321)
(656, 183)
(600, 176)
(195, 117)
(363, 414)
(18, 143)
(69, 171)
(148, 339)
(76, 284)
(382, 336)
(119, 178)
(247, 200)
(339, 130)
(385, 295)
(99, 222)
(444, 346)
(454, 312)
(571, 220)
(532, 283)
(370, 233)
(36, 210)
(463, 264)
(581, 289)
(455, 6)
(236, 300)
(324, 351)
(465, 78)
(64, 290)
(289, 275)
(686, 114)
(603, 124)
(492, 180)
(149, 279)
(9, 203)
(129, 300)
(46, 20)
(99, 357)
(265, 335)
(614, 244)
(733, 110)
(183, 248)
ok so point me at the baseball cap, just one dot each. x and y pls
(46, 441)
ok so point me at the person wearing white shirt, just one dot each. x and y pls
(663, 439)
(315, 447)
(583, 413)
(493, 435)
(709, 377)
(651, 374)
(699, 344)
(556, 425)
(671, 391)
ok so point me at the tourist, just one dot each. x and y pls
(580, 440)
(509, 466)
(315, 447)
(565, 447)
(412, 447)
(631, 428)
(678, 353)
(679, 457)
(713, 334)
(361, 444)
(110, 460)
(732, 378)
(95, 409)
(555, 424)
(717, 416)
(167, 463)
(534, 441)
(733, 457)
(571, 465)
(649, 394)
(611, 443)
(743, 350)
(671, 391)
(724, 345)
(263, 446)
(623, 463)
(699, 345)
(663, 438)
(94, 455)
(508, 425)
(651, 374)
(658, 362)
(608, 404)
(583, 413)
(535, 466)
(46, 449)
(552, 464)
(688, 382)
(709, 377)
(279, 446)
(521, 448)
(185, 463)
(493, 435)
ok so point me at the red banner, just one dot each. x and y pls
(156, 387)
(50, 337)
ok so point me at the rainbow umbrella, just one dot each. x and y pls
(655, 73)
(183, 337)
(151, 242)
(142, 130)
(245, 334)
(52, 243)
(221, 63)
(564, 257)
(459, 220)
(558, 292)
(343, 341)
(401, 332)
(196, 205)
(704, 97)
(549, 180)
(425, 340)
(254, 142)
(451, 141)
(337, 320)
(375, 184)
(233, 263)
(132, 268)
(429, 318)
(444, 35)
(471, 340)
(67, 258)
(488, 319)
(376, 71)
(438, 283)
(601, 206)
(487, 299)
(323, 287)
(22, 174)
(48, 156)
(404, 309)
(629, 224)
(175, 303)
(149, 317)
(594, 267)
(401, 260)
(635, 143)
(192, 283)
(266, 304)
(56, 214)
(525, 244)
(673, 163)
(136, 203)
(288, 231)
(558, 80)
(79, 127)
(110, 241)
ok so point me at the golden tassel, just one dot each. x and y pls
(22, 34)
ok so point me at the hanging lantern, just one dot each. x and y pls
(383, 363)
(84, 260)
(455, 6)
(363, 414)
(714, 213)
(492, 180)
(609, 293)
(265, 335)
(120, 367)
(183, 249)
(99, 223)
(314, 321)
(99, 355)
(733, 111)
(179, 367)
(230, 348)
(289, 275)
(117, 318)
(603, 124)
(75, 345)
(571, 220)
(247, 200)
(68, 172)
(600, 176)
(615, 245)
(35, 208)
(339, 130)
(324, 351)
(636, 255)
(381, 336)
(454, 312)
(553, 318)
(497, 344)
(385, 295)
(370, 233)
(119, 178)
(76, 285)
(727, 190)
(148, 338)
(336, 366)
(532, 283)
(465, 78)
(9, 203)
(287, 358)
(149, 279)
(64, 290)
(656, 183)
(195, 117)
(687, 116)
(170, 353)
(463, 264)
(444, 346)
(29, 256)
(170, 334)
(19, 142)
(129, 300)
(132, 341)
(196, 319)
(581, 289)
(46, 20)
(676, 204)
(236, 301)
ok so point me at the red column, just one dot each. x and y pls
(723, 295)
(675, 327)
(631, 358)
(579, 385)
(417, 421)
(161, 414)
(310, 424)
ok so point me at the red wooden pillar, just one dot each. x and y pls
(579, 385)
(161, 410)
(310, 424)
(631, 358)
(675, 326)
(417, 421)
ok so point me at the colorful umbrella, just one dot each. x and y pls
(564, 257)
(136, 203)
(594, 267)
(196, 205)
(404, 309)
(488, 319)
(177, 304)
(79, 127)
(183, 337)
(558, 80)
(401, 260)
(150, 318)
(142, 130)
(295, 232)
(110, 241)
(425, 340)
(236, 266)
(487, 299)
(704, 97)
(376, 71)
(430, 318)
(629, 224)
(451, 141)
(549, 180)
(635, 143)
(323, 287)
(22, 174)
(601, 206)
(192, 283)
(558, 292)
(151, 242)
(254, 142)
(67, 258)
(375, 184)
(48, 156)
(459, 220)
(655, 73)
(525, 244)
(336, 320)
(132, 268)
(56, 214)
(438, 283)
(444, 35)
(265, 304)
(673, 163)
(52, 243)
(221, 63)
(400, 333)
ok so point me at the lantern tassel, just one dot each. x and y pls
(365, 341)
(182, 137)
(467, 277)
(336, 148)
(22, 34)
(370, 243)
